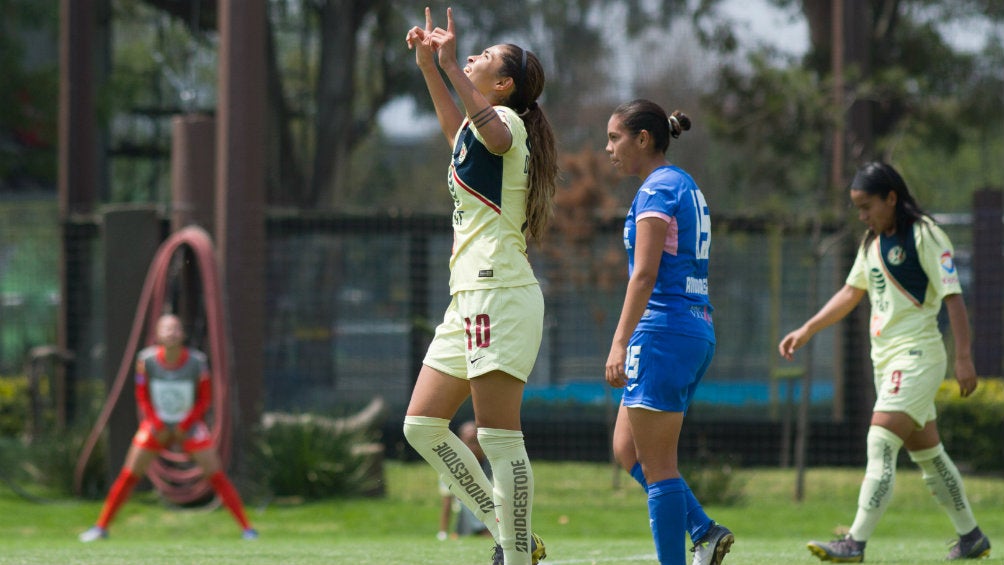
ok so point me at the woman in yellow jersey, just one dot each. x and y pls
(905, 266)
(501, 180)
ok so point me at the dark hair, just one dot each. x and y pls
(644, 115)
(879, 179)
(528, 82)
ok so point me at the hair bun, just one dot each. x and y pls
(678, 123)
(675, 129)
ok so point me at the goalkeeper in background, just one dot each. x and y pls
(173, 390)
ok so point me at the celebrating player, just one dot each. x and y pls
(174, 391)
(665, 338)
(905, 265)
(501, 179)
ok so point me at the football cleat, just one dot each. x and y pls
(976, 549)
(841, 550)
(537, 551)
(93, 534)
(711, 549)
(249, 534)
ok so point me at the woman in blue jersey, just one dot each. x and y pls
(904, 264)
(665, 339)
(501, 179)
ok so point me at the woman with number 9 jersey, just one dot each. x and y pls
(665, 338)
(906, 269)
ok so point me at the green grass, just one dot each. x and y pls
(579, 513)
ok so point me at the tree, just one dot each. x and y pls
(903, 79)
(359, 73)
(877, 72)
(28, 96)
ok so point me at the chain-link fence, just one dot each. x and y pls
(351, 304)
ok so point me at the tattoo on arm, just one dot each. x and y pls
(483, 117)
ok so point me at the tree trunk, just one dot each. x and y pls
(339, 21)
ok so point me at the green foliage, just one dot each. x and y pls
(49, 458)
(714, 482)
(972, 427)
(910, 96)
(780, 171)
(29, 93)
(312, 461)
(52, 461)
(46, 466)
(13, 406)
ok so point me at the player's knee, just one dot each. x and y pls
(883, 448)
(423, 430)
(882, 443)
(924, 455)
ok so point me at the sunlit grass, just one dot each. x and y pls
(582, 515)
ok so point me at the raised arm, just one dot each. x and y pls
(447, 112)
(835, 309)
(496, 134)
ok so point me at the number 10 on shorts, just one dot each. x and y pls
(482, 334)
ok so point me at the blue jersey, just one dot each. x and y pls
(679, 303)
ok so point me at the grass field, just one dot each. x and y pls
(578, 512)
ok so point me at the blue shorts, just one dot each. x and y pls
(664, 370)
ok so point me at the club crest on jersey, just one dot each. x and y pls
(896, 256)
(947, 263)
(462, 155)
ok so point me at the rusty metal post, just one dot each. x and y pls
(193, 174)
(132, 234)
(240, 200)
(987, 306)
(77, 176)
(193, 171)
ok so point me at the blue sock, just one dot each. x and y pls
(667, 513)
(698, 522)
(638, 475)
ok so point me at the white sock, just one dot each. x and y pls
(457, 466)
(945, 482)
(513, 492)
(877, 486)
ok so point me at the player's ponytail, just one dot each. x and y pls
(528, 77)
(543, 171)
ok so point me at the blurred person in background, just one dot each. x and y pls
(174, 391)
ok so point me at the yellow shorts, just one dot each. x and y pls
(905, 385)
(489, 330)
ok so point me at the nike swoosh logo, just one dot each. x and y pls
(475, 361)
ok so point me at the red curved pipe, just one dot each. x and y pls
(178, 485)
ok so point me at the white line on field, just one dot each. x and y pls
(647, 557)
